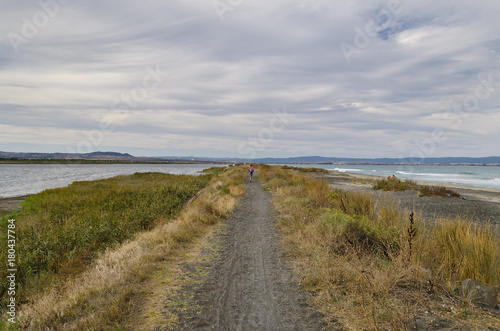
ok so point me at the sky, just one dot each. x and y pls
(240, 78)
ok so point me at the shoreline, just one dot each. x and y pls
(363, 182)
(480, 205)
(484, 193)
(11, 204)
(491, 193)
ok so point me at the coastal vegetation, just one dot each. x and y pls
(374, 266)
(74, 242)
(394, 184)
(303, 169)
(108, 251)
(436, 191)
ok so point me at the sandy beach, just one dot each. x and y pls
(480, 204)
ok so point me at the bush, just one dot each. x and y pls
(360, 233)
(394, 184)
(302, 169)
(436, 191)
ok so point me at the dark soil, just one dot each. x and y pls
(249, 285)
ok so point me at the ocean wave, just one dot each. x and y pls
(346, 170)
(429, 174)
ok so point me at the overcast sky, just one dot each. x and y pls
(243, 78)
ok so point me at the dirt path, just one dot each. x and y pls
(249, 286)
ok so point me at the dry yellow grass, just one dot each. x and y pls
(369, 267)
(118, 290)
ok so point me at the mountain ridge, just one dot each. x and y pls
(115, 156)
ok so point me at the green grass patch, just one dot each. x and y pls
(302, 169)
(358, 232)
(60, 231)
(394, 185)
(215, 170)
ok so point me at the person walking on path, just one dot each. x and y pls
(250, 172)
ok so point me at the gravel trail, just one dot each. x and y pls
(250, 287)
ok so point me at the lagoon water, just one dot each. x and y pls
(475, 176)
(24, 179)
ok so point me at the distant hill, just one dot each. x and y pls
(339, 160)
(432, 160)
(114, 156)
(95, 156)
(68, 156)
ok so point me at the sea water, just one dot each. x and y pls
(23, 179)
(475, 176)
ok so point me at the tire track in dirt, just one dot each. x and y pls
(250, 287)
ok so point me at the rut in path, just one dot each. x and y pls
(250, 287)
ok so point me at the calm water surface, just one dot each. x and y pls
(23, 179)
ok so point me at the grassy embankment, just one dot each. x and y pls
(85, 251)
(371, 265)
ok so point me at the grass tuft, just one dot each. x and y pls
(436, 191)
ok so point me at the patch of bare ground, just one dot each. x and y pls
(10, 205)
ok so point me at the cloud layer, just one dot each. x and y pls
(392, 78)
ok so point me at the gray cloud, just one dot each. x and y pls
(221, 80)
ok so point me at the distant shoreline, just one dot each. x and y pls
(399, 164)
(82, 161)
(429, 183)
(159, 161)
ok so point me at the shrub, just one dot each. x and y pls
(436, 191)
(360, 233)
(302, 169)
(394, 184)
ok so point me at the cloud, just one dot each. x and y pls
(410, 63)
